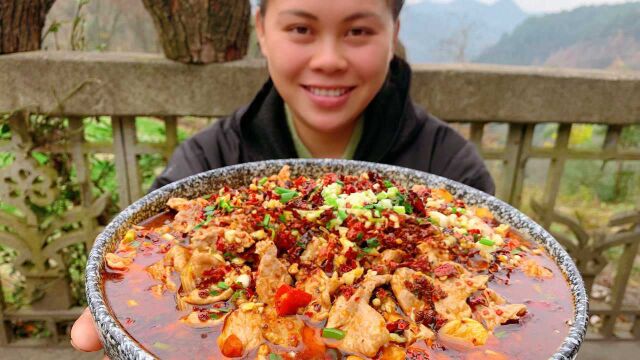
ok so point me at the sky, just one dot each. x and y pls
(538, 6)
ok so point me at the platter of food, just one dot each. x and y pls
(331, 259)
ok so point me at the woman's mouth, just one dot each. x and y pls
(329, 97)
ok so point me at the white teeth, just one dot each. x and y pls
(327, 92)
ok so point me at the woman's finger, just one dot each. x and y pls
(84, 335)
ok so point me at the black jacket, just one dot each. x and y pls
(396, 131)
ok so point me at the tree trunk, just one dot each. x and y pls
(202, 31)
(21, 23)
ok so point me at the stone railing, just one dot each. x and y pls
(42, 87)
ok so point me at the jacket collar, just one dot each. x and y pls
(390, 122)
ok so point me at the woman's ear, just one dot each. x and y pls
(259, 21)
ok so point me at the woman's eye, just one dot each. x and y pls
(300, 30)
(358, 32)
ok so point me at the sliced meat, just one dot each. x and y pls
(281, 330)
(241, 333)
(189, 212)
(311, 254)
(458, 289)
(177, 256)
(497, 311)
(365, 329)
(415, 332)
(531, 268)
(321, 287)
(271, 272)
(408, 301)
(195, 297)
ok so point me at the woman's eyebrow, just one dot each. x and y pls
(352, 17)
(360, 15)
(300, 13)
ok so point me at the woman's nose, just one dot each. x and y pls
(328, 57)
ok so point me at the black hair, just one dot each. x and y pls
(396, 7)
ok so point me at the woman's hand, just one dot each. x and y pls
(84, 336)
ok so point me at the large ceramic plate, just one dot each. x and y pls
(119, 345)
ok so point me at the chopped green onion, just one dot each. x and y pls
(207, 197)
(486, 241)
(376, 213)
(342, 215)
(161, 346)
(331, 201)
(369, 207)
(281, 190)
(333, 333)
(214, 316)
(400, 210)
(301, 244)
(266, 221)
(262, 181)
(282, 218)
(388, 184)
(273, 356)
(285, 197)
(339, 183)
(369, 250)
(223, 285)
(360, 236)
(461, 211)
(222, 309)
(210, 208)
(454, 210)
(236, 295)
(214, 292)
(373, 242)
(228, 255)
(273, 234)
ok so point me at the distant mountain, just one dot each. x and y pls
(456, 31)
(591, 37)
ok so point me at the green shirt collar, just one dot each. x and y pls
(302, 150)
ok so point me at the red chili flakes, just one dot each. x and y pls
(446, 270)
(397, 326)
(477, 300)
(416, 354)
(381, 293)
(347, 291)
(203, 316)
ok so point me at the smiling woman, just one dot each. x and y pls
(327, 62)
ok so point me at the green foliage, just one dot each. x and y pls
(540, 36)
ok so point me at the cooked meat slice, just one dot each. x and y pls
(241, 333)
(321, 287)
(497, 311)
(204, 260)
(116, 262)
(158, 271)
(415, 332)
(458, 288)
(407, 300)
(195, 298)
(465, 330)
(194, 320)
(177, 256)
(365, 329)
(311, 254)
(281, 330)
(271, 272)
(189, 212)
(390, 256)
(531, 268)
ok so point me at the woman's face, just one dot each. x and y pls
(327, 58)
